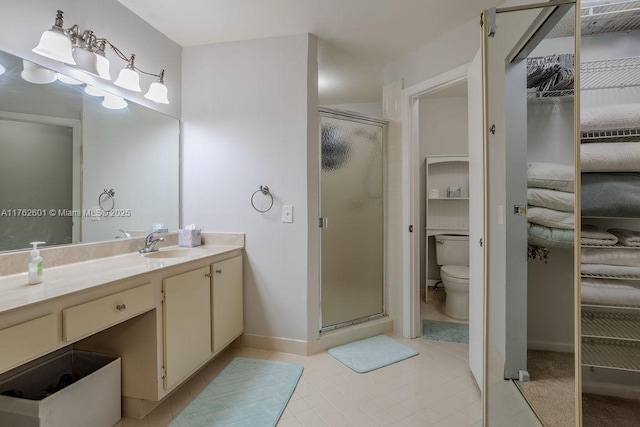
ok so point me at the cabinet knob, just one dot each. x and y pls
(121, 307)
(218, 271)
(207, 275)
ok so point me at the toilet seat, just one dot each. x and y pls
(456, 271)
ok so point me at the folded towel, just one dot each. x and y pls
(610, 157)
(552, 199)
(610, 292)
(549, 237)
(610, 270)
(550, 218)
(626, 237)
(611, 194)
(617, 255)
(618, 116)
(553, 176)
(592, 235)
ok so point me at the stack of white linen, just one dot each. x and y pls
(611, 272)
(550, 201)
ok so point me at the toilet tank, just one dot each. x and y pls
(452, 249)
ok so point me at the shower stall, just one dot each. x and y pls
(352, 218)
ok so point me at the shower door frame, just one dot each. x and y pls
(369, 120)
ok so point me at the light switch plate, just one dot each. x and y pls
(287, 213)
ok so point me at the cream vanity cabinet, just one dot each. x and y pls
(202, 314)
(186, 313)
(226, 302)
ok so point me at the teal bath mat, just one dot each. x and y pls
(371, 353)
(248, 392)
(445, 331)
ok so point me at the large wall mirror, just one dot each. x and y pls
(531, 377)
(79, 168)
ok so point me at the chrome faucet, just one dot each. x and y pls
(126, 234)
(150, 243)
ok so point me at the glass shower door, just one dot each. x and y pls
(352, 219)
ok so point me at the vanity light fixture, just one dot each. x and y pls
(158, 91)
(113, 102)
(55, 43)
(87, 52)
(68, 80)
(34, 73)
(129, 77)
(94, 91)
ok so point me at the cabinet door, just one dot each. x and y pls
(187, 323)
(226, 302)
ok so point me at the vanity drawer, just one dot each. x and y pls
(27, 340)
(93, 316)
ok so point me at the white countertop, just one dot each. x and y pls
(15, 292)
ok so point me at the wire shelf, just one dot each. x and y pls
(609, 353)
(616, 246)
(608, 18)
(610, 73)
(606, 276)
(620, 308)
(565, 95)
(610, 135)
(622, 326)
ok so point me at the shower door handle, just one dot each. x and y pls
(324, 222)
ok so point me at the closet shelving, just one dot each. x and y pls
(557, 85)
(618, 73)
(446, 214)
(611, 333)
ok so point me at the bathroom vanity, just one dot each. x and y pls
(166, 314)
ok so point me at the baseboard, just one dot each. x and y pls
(326, 341)
(559, 347)
(283, 345)
(608, 389)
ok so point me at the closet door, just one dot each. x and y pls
(531, 216)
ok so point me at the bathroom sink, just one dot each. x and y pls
(173, 253)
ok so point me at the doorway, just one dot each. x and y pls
(352, 206)
(40, 164)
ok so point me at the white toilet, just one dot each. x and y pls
(452, 255)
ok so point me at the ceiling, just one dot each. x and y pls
(357, 37)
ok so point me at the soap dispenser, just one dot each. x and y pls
(35, 264)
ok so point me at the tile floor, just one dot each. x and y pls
(435, 388)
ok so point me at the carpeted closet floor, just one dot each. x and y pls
(551, 393)
(551, 389)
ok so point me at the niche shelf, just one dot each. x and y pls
(446, 214)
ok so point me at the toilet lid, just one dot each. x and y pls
(456, 271)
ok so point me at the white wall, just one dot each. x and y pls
(453, 49)
(135, 152)
(25, 20)
(250, 119)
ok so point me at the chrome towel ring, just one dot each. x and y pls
(106, 198)
(265, 191)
